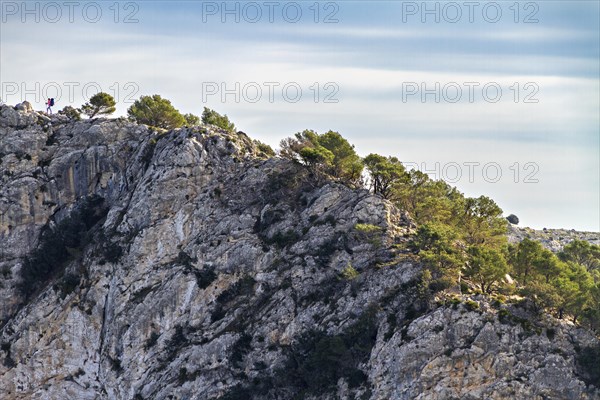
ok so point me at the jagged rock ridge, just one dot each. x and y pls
(552, 239)
(201, 270)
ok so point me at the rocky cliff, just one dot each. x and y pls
(186, 265)
(552, 239)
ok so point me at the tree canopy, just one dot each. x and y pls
(211, 117)
(386, 173)
(155, 111)
(191, 119)
(486, 266)
(463, 239)
(325, 155)
(99, 104)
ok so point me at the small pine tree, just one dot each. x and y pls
(485, 267)
(191, 119)
(385, 173)
(100, 104)
(326, 155)
(211, 117)
(264, 149)
(155, 111)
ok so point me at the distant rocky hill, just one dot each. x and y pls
(552, 239)
(188, 265)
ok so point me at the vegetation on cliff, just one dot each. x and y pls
(461, 240)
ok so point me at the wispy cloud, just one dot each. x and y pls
(370, 55)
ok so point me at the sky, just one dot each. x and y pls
(498, 98)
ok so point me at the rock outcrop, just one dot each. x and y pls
(194, 268)
(24, 106)
(552, 239)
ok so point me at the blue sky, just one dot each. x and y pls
(374, 59)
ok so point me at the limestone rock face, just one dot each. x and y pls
(552, 239)
(457, 353)
(203, 271)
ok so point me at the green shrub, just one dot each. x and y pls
(454, 302)
(211, 117)
(497, 303)
(59, 245)
(441, 283)
(264, 149)
(349, 273)
(370, 233)
(316, 362)
(464, 287)
(506, 317)
(589, 361)
(471, 305)
(71, 113)
(367, 228)
(191, 119)
(319, 360)
(503, 315)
